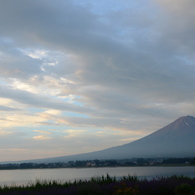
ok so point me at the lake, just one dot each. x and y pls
(25, 176)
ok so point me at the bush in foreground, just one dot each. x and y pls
(184, 189)
(107, 185)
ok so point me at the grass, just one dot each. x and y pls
(106, 185)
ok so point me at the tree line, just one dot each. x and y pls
(103, 163)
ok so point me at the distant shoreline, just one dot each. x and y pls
(97, 167)
(139, 162)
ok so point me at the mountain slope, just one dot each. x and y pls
(174, 140)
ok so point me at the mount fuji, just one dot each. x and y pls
(174, 140)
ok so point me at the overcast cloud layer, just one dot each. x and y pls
(83, 75)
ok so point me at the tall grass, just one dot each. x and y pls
(107, 185)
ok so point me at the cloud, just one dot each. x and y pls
(43, 132)
(41, 137)
(5, 108)
(104, 65)
(70, 133)
(106, 62)
(4, 133)
(38, 101)
(13, 63)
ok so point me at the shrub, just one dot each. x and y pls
(125, 190)
(88, 189)
(184, 189)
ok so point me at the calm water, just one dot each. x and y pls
(22, 177)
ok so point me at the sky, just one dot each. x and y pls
(79, 76)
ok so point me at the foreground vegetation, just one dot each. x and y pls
(106, 185)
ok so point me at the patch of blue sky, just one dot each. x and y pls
(76, 97)
(77, 103)
(67, 100)
(75, 114)
(2, 82)
(73, 100)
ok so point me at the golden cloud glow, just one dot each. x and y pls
(41, 137)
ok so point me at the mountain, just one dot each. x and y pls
(174, 140)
